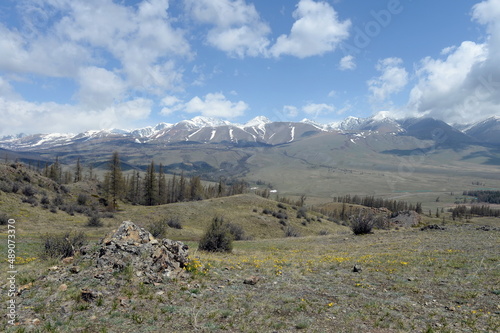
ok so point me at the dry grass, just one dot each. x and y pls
(412, 281)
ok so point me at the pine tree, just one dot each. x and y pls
(150, 186)
(116, 184)
(162, 187)
(78, 171)
(55, 171)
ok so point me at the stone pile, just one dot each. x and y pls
(133, 250)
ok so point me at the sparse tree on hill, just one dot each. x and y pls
(78, 171)
(150, 186)
(115, 178)
(162, 187)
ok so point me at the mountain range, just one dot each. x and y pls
(261, 131)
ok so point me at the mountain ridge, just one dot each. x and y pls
(261, 130)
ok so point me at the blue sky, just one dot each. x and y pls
(70, 66)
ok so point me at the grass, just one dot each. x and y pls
(411, 281)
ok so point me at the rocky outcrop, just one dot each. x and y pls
(133, 250)
(406, 219)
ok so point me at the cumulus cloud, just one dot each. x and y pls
(318, 109)
(347, 63)
(211, 105)
(29, 117)
(393, 79)
(317, 30)
(237, 29)
(463, 85)
(290, 111)
(99, 87)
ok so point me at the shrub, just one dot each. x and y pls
(302, 212)
(31, 200)
(236, 231)
(158, 228)
(291, 232)
(174, 223)
(29, 191)
(280, 205)
(15, 187)
(94, 221)
(5, 186)
(217, 238)
(58, 201)
(4, 219)
(82, 199)
(45, 200)
(362, 223)
(62, 245)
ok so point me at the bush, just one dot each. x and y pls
(291, 232)
(62, 245)
(58, 200)
(82, 199)
(5, 186)
(158, 228)
(94, 221)
(45, 200)
(29, 191)
(31, 200)
(4, 219)
(217, 238)
(236, 231)
(174, 223)
(15, 187)
(362, 223)
(302, 212)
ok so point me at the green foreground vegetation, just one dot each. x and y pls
(443, 279)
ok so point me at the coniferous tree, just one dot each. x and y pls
(78, 171)
(55, 171)
(162, 186)
(150, 186)
(116, 184)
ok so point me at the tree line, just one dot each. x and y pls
(373, 202)
(463, 211)
(492, 197)
(153, 188)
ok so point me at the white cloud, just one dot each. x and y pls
(71, 36)
(317, 30)
(393, 79)
(318, 109)
(6, 90)
(290, 111)
(22, 116)
(99, 87)
(211, 105)
(238, 29)
(445, 88)
(463, 85)
(347, 63)
(216, 105)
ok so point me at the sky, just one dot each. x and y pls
(74, 65)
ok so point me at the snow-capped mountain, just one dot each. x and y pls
(259, 131)
(486, 131)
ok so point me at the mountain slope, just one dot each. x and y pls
(261, 131)
(486, 131)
